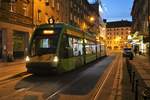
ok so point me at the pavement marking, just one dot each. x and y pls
(97, 94)
(115, 93)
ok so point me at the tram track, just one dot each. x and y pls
(51, 96)
(25, 84)
(102, 83)
(12, 78)
(26, 90)
(61, 89)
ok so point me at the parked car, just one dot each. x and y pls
(127, 52)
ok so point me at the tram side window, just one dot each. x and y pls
(77, 46)
(98, 48)
(90, 47)
(65, 49)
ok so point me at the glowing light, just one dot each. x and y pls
(92, 19)
(48, 31)
(56, 59)
(129, 37)
(27, 59)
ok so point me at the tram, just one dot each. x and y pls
(59, 47)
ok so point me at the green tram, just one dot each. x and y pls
(60, 48)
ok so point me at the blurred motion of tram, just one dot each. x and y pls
(59, 47)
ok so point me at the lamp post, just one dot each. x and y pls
(148, 24)
(84, 51)
(84, 28)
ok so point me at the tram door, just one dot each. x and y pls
(0, 44)
(19, 44)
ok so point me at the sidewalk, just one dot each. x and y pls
(139, 72)
(133, 80)
(15, 62)
(11, 69)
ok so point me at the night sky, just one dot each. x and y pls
(116, 9)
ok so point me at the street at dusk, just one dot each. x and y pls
(74, 50)
(75, 84)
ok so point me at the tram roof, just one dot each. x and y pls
(63, 25)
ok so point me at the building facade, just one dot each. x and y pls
(81, 12)
(43, 9)
(16, 24)
(141, 24)
(72, 12)
(117, 33)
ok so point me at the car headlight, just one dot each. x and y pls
(56, 59)
(27, 59)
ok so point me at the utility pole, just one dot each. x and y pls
(148, 25)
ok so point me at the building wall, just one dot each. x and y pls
(80, 12)
(69, 11)
(15, 17)
(117, 37)
(140, 16)
(140, 13)
(43, 9)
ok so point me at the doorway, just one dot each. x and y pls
(19, 45)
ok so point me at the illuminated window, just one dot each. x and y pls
(74, 18)
(39, 15)
(58, 6)
(53, 3)
(71, 17)
(25, 9)
(46, 0)
(12, 6)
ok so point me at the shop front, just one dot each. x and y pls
(20, 41)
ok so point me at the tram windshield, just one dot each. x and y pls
(44, 41)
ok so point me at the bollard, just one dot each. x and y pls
(129, 69)
(133, 77)
(146, 93)
(136, 90)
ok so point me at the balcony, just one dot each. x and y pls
(15, 18)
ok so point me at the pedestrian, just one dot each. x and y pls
(135, 50)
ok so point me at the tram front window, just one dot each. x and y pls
(44, 44)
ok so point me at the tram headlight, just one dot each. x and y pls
(56, 59)
(27, 59)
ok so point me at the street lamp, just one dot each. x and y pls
(92, 19)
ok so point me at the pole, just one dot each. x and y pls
(84, 51)
(149, 24)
